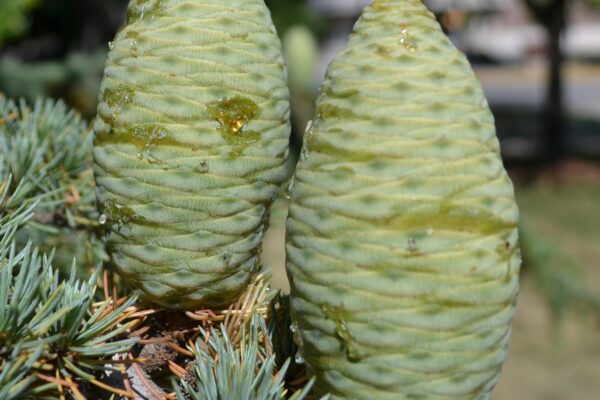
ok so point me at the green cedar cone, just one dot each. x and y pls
(402, 236)
(190, 146)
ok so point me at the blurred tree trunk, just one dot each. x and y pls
(552, 15)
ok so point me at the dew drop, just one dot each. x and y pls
(294, 327)
(299, 358)
(102, 219)
(111, 45)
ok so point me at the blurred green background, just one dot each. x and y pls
(539, 63)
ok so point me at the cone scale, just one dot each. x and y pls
(402, 246)
(190, 145)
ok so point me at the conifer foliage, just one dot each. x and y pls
(66, 334)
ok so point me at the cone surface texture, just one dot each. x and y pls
(402, 245)
(190, 146)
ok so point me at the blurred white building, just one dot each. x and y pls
(500, 31)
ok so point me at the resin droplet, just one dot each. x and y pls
(412, 246)
(304, 152)
(296, 334)
(120, 213)
(150, 134)
(405, 39)
(233, 113)
(133, 49)
(202, 167)
(133, 35)
(289, 188)
(118, 96)
(154, 160)
(140, 9)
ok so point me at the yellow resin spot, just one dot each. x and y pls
(233, 114)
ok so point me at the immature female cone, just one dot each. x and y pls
(190, 146)
(402, 234)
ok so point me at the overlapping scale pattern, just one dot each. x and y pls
(402, 235)
(190, 146)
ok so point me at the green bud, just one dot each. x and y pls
(402, 234)
(301, 52)
(190, 147)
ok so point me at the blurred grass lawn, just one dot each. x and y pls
(549, 359)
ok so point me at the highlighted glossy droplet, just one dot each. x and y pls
(233, 114)
(102, 219)
(299, 359)
(296, 336)
(405, 39)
